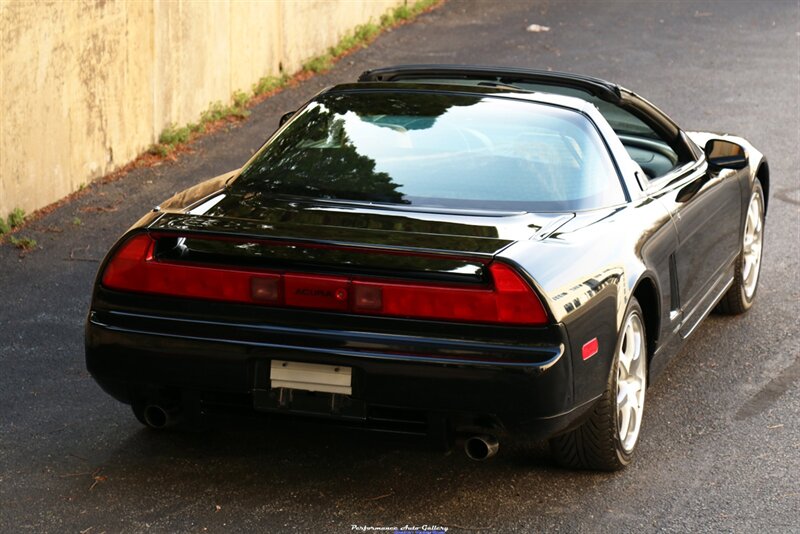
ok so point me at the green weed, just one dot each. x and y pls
(23, 243)
(402, 12)
(267, 84)
(387, 19)
(361, 35)
(319, 63)
(172, 135)
(16, 217)
(160, 150)
(218, 111)
(240, 99)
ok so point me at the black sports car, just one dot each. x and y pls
(465, 252)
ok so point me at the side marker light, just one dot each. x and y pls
(590, 348)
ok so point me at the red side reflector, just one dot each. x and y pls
(590, 348)
(509, 299)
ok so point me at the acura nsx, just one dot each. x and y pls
(471, 253)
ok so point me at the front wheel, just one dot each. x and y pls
(606, 440)
(739, 298)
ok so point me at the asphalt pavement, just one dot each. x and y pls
(720, 446)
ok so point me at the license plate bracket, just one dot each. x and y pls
(311, 377)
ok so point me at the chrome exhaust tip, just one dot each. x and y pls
(158, 417)
(481, 447)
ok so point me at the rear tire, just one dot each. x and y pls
(606, 440)
(739, 298)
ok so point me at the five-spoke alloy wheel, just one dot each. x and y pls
(607, 438)
(740, 296)
(631, 381)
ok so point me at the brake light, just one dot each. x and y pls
(509, 300)
(133, 268)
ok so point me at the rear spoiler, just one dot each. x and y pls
(329, 235)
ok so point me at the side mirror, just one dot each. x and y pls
(285, 118)
(723, 154)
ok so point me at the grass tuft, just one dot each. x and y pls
(403, 12)
(16, 217)
(240, 100)
(23, 243)
(268, 84)
(318, 64)
(364, 34)
(160, 150)
(173, 136)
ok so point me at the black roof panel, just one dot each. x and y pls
(499, 75)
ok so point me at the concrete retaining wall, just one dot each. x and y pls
(85, 86)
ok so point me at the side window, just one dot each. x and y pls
(653, 153)
(645, 146)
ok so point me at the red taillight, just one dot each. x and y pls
(125, 270)
(516, 302)
(510, 300)
(133, 268)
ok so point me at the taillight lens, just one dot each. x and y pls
(510, 299)
(133, 268)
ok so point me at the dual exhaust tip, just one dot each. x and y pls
(479, 447)
(158, 417)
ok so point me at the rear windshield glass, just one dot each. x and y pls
(437, 150)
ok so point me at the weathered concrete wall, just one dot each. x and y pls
(85, 86)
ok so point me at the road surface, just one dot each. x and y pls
(720, 447)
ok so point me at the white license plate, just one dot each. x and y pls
(311, 377)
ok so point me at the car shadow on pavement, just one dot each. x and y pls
(302, 459)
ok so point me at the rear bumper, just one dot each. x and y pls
(412, 380)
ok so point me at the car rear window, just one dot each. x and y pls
(431, 149)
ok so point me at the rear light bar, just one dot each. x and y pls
(510, 300)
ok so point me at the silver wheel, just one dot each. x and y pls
(631, 382)
(607, 438)
(751, 244)
(742, 293)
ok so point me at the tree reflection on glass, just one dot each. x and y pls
(316, 156)
(435, 149)
(319, 161)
